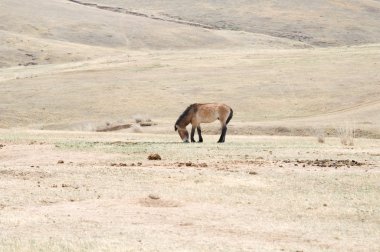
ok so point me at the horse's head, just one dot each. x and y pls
(183, 134)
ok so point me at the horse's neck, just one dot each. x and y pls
(184, 123)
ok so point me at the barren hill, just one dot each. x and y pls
(34, 32)
(319, 22)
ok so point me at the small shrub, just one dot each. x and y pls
(320, 134)
(321, 138)
(346, 134)
(154, 156)
(141, 118)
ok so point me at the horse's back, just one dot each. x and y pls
(210, 112)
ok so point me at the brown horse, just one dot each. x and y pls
(198, 113)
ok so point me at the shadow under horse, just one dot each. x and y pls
(198, 113)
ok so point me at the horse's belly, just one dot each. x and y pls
(207, 117)
(209, 120)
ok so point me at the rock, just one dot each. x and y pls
(154, 196)
(60, 162)
(154, 156)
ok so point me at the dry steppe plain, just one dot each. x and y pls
(292, 72)
(91, 191)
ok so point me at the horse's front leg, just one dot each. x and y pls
(199, 134)
(192, 134)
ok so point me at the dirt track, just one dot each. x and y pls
(125, 11)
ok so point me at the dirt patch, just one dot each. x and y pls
(118, 143)
(157, 202)
(67, 185)
(134, 13)
(191, 164)
(147, 124)
(125, 164)
(34, 142)
(329, 162)
(24, 174)
(154, 196)
(114, 127)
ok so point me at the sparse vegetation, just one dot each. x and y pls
(320, 134)
(154, 156)
(346, 134)
(103, 178)
(139, 118)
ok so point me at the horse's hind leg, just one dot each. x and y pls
(192, 134)
(223, 135)
(199, 134)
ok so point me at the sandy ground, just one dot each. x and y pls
(251, 193)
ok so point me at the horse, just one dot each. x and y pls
(198, 113)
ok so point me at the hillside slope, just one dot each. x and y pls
(268, 85)
(56, 31)
(317, 22)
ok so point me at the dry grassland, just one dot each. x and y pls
(300, 167)
(252, 193)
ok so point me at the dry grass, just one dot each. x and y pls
(139, 118)
(346, 134)
(118, 89)
(323, 23)
(320, 134)
(250, 194)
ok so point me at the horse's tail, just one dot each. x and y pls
(230, 116)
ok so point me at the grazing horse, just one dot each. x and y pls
(198, 113)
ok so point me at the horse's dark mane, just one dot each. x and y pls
(185, 113)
